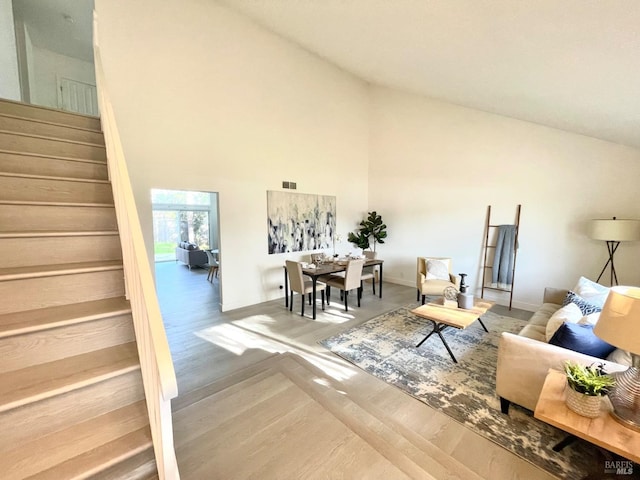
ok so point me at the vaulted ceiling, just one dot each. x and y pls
(568, 64)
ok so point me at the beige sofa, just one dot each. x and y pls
(524, 359)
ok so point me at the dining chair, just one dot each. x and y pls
(297, 283)
(213, 265)
(370, 273)
(350, 281)
(317, 258)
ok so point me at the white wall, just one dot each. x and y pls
(206, 100)
(435, 167)
(47, 66)
(9, 77)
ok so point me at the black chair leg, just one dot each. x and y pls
(322, 293)
(418, 295)
(346, 295)
(302, 301)
(291, 302)
(328, 295)
(423, 299)
(359, 295)
(373, 283)
(504, 405)
(310, 299)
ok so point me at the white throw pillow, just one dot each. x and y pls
(591, 291)
(590, 319)
(570, 314)
(437, 270)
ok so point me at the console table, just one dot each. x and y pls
(603, 431)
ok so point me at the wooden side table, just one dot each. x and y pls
(602, 431)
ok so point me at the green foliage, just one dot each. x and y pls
(359, 240)
(370, 228)
(164, 247)
(591, 380)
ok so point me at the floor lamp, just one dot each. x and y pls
(613, 232)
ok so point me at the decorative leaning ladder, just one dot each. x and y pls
(489, 229)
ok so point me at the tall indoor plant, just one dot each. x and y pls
(372, 230)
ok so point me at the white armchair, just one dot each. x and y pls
(436, 281)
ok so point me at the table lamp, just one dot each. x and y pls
(619, 325)
(614, 231)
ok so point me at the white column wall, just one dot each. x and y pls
(9, 76)
(435, 167)
(207, 100)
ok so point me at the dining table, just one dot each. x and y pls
(327, 268)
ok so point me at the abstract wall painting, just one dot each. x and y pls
(299, 222)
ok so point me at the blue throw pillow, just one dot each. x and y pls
(580, 338)
(586, 307)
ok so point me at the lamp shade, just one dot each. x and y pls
(615, 230)
(619, 321)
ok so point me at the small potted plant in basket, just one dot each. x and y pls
(587, 386)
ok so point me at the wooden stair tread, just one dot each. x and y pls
(56, 204)
(141, 466)
(100, 458)
(52, 317)
(7, 105)
(42, 381)
(53, 139)
(17, 273)
(87, 444)
(57, 157)
(58, 233)
(50, 177)
(48, 122)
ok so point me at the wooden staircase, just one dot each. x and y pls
(72, 404)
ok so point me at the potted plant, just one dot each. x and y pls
(371, 227)
(587, 386)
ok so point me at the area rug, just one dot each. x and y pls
(385, 347)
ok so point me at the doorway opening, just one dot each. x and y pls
(186, 244)
(181, 216)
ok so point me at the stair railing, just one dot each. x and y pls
(158, 374)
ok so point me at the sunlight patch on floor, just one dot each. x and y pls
(331, 368)
(335, 315)
(238, 340)
(325, 383)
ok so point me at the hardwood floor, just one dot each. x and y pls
(260, 398)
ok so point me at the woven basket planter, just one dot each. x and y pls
(585, 405)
